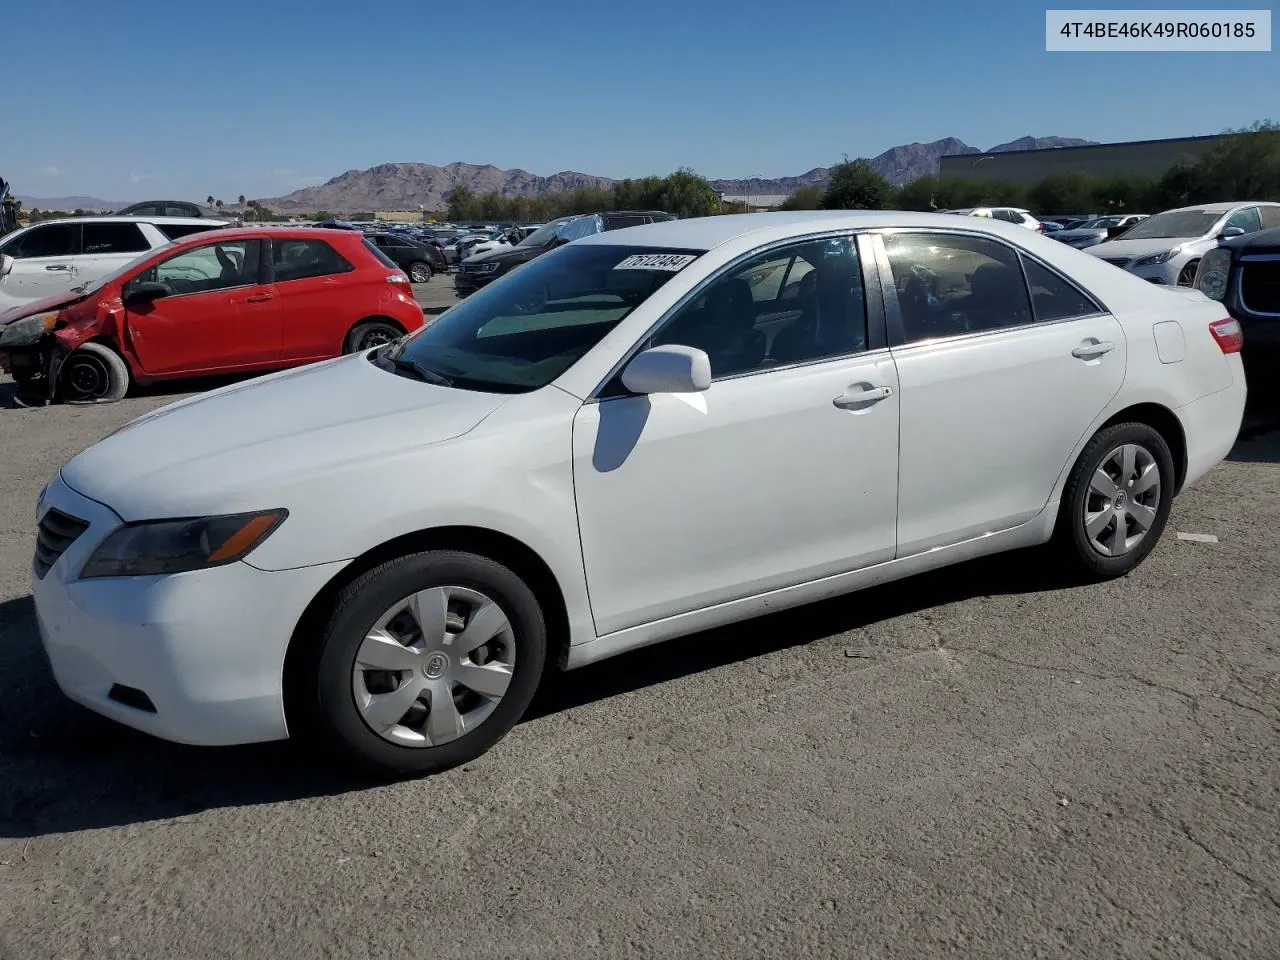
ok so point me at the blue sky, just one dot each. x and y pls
(179, 100)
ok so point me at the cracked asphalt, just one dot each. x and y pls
(981, 762)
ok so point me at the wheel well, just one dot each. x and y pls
(1162, 420)
(519, 557)
(379, 319)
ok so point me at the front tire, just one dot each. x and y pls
(1117, 500)
(93, 373)
(1187, 275)
(426, 662)
(370, 334)
(420, 271)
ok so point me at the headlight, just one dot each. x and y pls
(1157, 258)
(174, 546)
(486, 267)
(1215, 269)
(21, 333)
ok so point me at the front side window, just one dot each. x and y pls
(216, 266)
(302, 259)
(101, 238)
(527, 328)
(949, 285)
(795, 304)
(1246, 219)
(50, 240)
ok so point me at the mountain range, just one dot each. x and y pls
(406, 186)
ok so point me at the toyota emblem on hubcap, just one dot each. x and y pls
(1120, 499)
(435, 666)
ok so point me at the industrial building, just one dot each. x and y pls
(1028, 167)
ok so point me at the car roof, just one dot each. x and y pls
(1221, 207)
(254, 233)
(704, 233)
(182, 221)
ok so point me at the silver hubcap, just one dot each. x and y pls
(434, 666)
(1124, 495)
(419, 273)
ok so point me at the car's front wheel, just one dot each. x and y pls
(93, 373)
(427, 661)
(1187, 275)
(1117, 500)
(419, 271)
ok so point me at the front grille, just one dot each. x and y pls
(55, 532)
(1260, 287)
(1118, 261)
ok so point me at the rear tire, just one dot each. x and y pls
(420, 271)
(1116, 502)
(371, 333)
(431, 700)
(93, 373)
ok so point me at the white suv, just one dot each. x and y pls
(1018, 215)
(48, 259)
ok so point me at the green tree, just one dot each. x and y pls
(1065, 192)
(805, 198)
(920, 194)
(854, 185)
(1243, 166)
(461, 204)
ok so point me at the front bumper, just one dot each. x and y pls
(465, 282)
(1166, 273)
(206, 648)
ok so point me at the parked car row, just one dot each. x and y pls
(215, 302)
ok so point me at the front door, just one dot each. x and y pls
(999, 382)
(218, 317)
(784, 471)
(44, 263)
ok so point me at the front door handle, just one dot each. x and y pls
(857, 398)
(258, 298)
(1092, 349)
(57, 266)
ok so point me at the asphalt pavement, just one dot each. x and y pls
(981, 762)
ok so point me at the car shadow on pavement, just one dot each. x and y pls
(66, 769)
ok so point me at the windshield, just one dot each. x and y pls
(1173, 224)
(93, 286)
(525, 329)
(543, 235)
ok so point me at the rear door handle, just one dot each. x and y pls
(258, 298)
(1093, 350)
(858, 398)
(58, 266)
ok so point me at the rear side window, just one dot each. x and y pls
(382, 257)
(175, 231)
(951, 285)
(1270, 217)
(102, 238)
(302, 259)
(1053, 298)
(50, 240)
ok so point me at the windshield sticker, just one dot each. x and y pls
(657, 261)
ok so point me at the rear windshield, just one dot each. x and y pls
(176, 231)
(382, 257)
(525, 329)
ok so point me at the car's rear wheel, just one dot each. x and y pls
(371, 333)
(1117, 500)
(93, 373)
(420, 271)
(427, 661)
(1187, 275)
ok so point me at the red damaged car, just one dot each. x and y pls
(226, 301)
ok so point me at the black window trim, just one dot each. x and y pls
(77, 232)
(893, 314)
(877, 342)
(116, 223)
(262, 274)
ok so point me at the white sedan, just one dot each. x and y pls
(635, 437)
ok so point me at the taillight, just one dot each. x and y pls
(397, 278)
(1228, 334)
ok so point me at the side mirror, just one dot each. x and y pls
(669, 369)
(144, 293)
(1229, 232)
(6, 264)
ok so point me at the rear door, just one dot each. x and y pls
(220, 316)
(44, 263)
(106, 247)
(1004, 364)
(310, 279)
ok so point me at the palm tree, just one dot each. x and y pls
(242, 203)
(208, 201)
(218, 204)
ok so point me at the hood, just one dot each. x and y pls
(32, 307)
(1139, 248)
(241, 446)
(508, 255)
